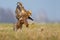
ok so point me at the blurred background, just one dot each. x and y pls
(42, 10)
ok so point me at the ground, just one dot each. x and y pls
(36, 31)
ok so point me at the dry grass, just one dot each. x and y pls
(34, 32)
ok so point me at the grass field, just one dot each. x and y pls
(35, 31)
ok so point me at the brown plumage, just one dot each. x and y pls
(22, 15)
